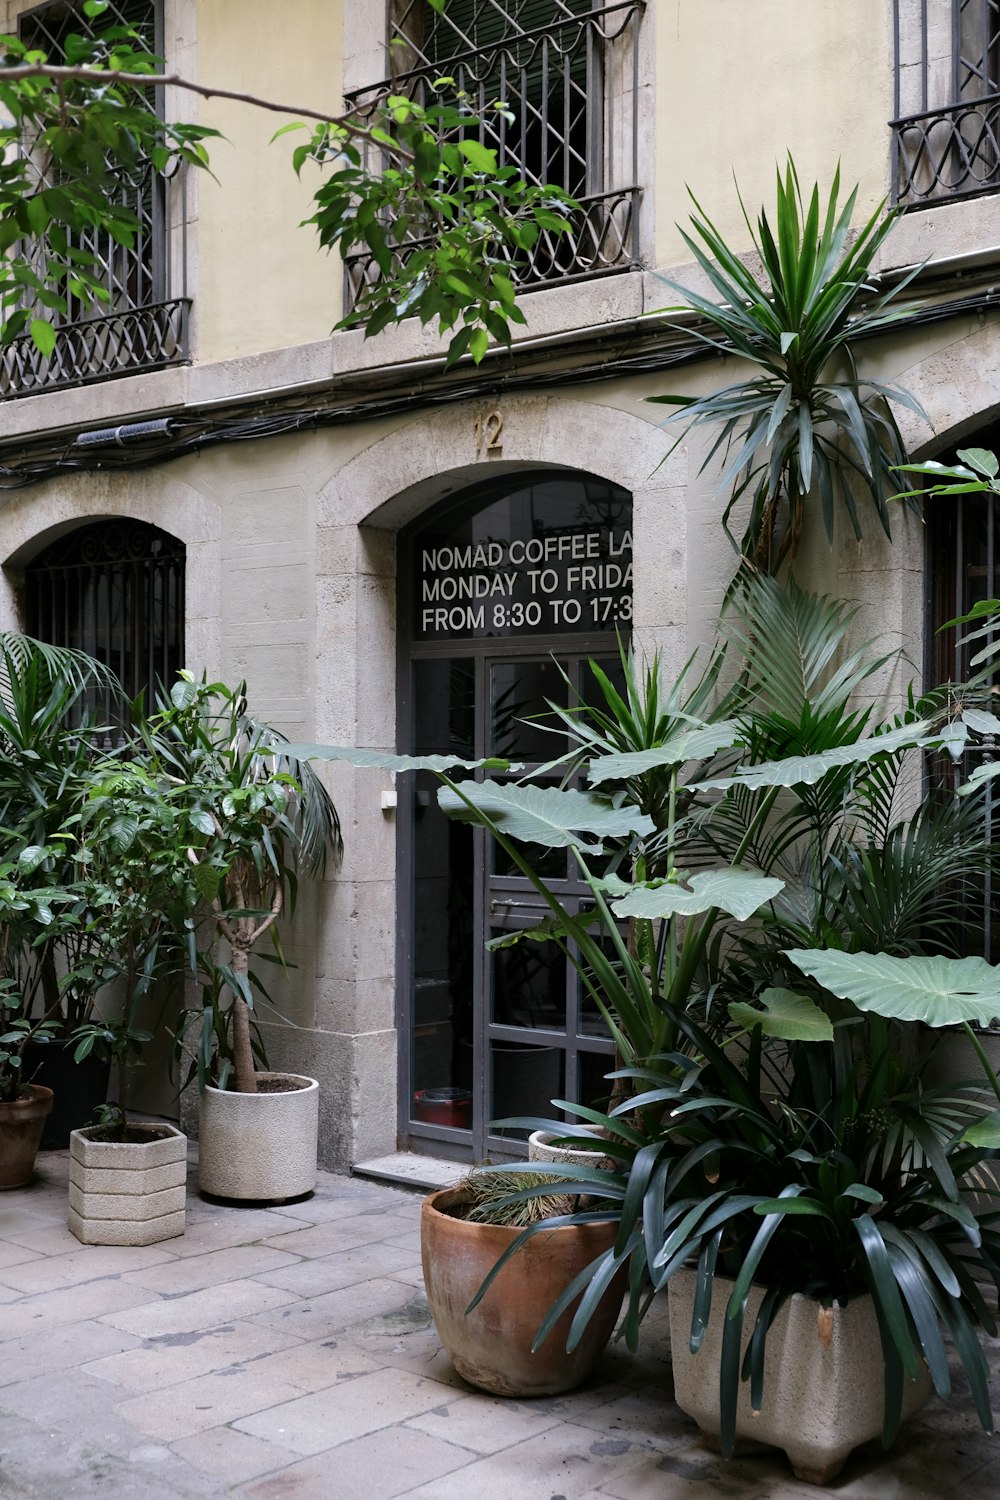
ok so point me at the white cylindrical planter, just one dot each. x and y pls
(260, 1147)
(127, 1192)
(541, 1149)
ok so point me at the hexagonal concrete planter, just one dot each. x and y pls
(822, 1396)
(127, 1192)
(261, 1147)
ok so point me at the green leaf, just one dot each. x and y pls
(984, 1133)
(738, 892)
(980, 459)
(553, 817)
(936, 990)
(792, 1017)
(694, 743)
(43, 336)
(384, 760)
(806, 770)
(479, 342)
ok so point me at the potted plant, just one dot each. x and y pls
(48, 743)
(29, 907)
(255, 820)
(780, 840)
(127, 1183)
(491, 1338)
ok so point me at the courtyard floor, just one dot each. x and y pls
(287, 1354)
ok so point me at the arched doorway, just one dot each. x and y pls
(506, 591)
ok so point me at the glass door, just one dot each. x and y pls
(489, 1033)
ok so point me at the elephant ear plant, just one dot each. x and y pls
(254, 819)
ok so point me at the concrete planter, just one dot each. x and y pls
(260, 1147)
(540, 1148)
(127, 1192)
(822, 1397)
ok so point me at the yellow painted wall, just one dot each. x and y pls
(740, 83)
(261, 282)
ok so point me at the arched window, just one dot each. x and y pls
(114, 589)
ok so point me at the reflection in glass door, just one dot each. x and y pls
(488, 1034)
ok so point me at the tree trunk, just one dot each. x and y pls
(243, 1068)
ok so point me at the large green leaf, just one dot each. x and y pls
(738, 892)
(806, 770)
(784, 1014)
(695, 742)
(936, 990)
(384, 760)
(554, 817)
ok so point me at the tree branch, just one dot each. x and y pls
(83, 74)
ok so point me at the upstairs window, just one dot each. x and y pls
(946, 130)
(143, 324)
(567, 72)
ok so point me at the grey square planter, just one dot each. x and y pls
(127, 1192)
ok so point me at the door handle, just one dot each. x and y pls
(498, 907)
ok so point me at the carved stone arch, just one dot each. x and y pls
(33, 519)
(393, 481)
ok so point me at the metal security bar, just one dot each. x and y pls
(144, 323)
(946, 130)
(567, 73)
(114, 589)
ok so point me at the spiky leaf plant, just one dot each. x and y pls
(802, 430)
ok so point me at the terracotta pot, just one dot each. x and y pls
(21, 1125)
(491, 1346)
(822, 1397)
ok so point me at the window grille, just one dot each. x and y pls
(963, 549)
(143, 325)
(567, 72)
(114, 589)
(946, 130)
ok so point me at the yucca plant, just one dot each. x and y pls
(807, 427)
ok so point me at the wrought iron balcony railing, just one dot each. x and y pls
(570, 88)
(947, 153)
(124, 343)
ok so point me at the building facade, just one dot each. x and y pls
(396, 556)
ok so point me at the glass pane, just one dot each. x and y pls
(529, 985)
(520, 691)
(443, 963)
(523, 1081)
(594, 1085)
(551, 557)
(444, 707)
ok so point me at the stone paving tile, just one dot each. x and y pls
(229, 1226)
(207, 1401)
(43, 1236)
(561, 1461)
(376, 1467)
(347, 1203)
(32, 1315)
(311, 1278)
(85, 1263)
(232, 1457)
(192, 1273)
(334, 1234)
(35, 1466)
(196, 1311)
(174, 1357)
(350, 1307)
(315, 1366)
(14, 1255)
(371, 1402)
(484, 1424)
(63, 1347)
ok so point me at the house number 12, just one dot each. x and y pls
(488, 432)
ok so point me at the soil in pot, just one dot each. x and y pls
(21, 1124)
(491, 1346)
